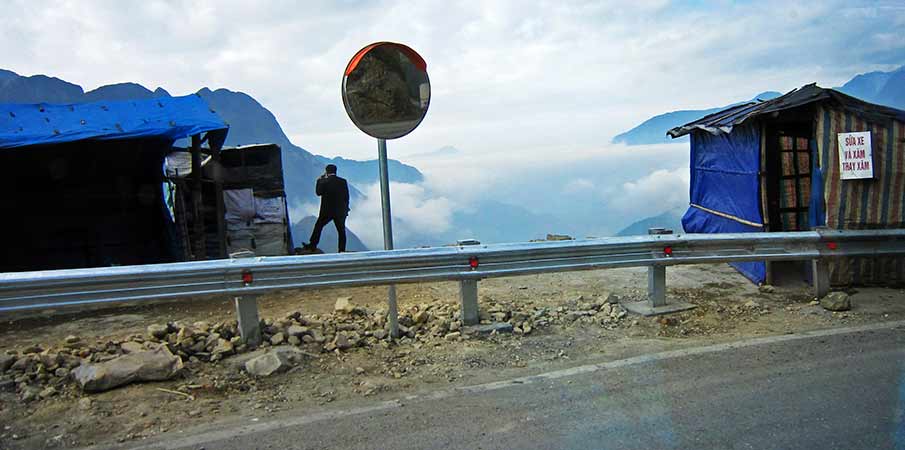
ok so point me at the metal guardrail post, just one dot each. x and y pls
(656, 276)
(656, 285)
(821, 272)
(249, 322)
(656, 289)
(468, 296)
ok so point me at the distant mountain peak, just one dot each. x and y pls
(885, 88)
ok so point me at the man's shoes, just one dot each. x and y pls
(308, 246)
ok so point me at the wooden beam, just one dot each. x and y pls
(218, 193)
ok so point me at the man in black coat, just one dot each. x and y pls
(334, 194)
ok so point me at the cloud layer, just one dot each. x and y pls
(506, 75)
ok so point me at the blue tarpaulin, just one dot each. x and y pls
(168, 118)
(725, 188)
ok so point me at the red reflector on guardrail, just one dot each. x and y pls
(473, 262)
(831, 245)
(667, 251)
(247, 277)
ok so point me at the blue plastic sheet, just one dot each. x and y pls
(169, 118)
(724, 178)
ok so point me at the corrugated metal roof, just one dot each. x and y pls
(723, 121)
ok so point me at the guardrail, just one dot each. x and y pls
(247, 277)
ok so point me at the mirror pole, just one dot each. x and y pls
(393, 315)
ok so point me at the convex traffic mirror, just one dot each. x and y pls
(386, 90)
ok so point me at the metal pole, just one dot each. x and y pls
(656, 285)
(249, 321)
(393, 315)
(468, 296)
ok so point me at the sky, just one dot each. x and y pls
(523, 89)
(506, 75)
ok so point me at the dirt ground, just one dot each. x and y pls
(728, 308)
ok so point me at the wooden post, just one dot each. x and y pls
(198, 240)
(217, 174)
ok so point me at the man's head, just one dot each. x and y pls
(331, 168)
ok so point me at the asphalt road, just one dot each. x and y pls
(832, 391)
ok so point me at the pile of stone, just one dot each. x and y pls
(40, 372)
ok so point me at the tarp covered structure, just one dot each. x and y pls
(83, 182)
(165, 118)
(725, 188)
(774, 166)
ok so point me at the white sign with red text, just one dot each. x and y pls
(855, 158)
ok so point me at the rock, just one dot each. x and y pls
(6, 361)
(223, 348)
(612, 299)
(276, 360)
(155, 365)
(48, 392)
(766, 289)
(29, 394)
(836, 301)
(455, 325)
(23, 364)
(294, 340)
(380, 335)
(277, 339)
(32, 349)
(296, 330)
(527, 329)
(452, 336)
(359, 371)
(85, 403)
(318, 336)
(342, 342)
(575, 315)
(131, 347)
(7, 386)
(489, 328)
(61, 372)
(308, 339)
(421, 317)
(157, 331)
(751, 304)
(71, 339)
(344, 304)
(499, 316)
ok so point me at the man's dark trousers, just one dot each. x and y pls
(338, 222)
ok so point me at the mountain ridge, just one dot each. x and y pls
(250, 123)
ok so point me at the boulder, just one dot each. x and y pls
(155, 365)
(279, 359)
(6, 361)
(131, 347)
(344, 304)
(836, 301)
(223, 348)
(296, 330)
(157, 331)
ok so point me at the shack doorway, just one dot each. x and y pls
(788, 160)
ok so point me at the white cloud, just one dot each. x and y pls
(652, 194)
(506, 75)
(416, 212)
(578, 185)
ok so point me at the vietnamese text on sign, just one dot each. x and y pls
(855, 156)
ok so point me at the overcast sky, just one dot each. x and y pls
(531, 93)
(508, 76)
